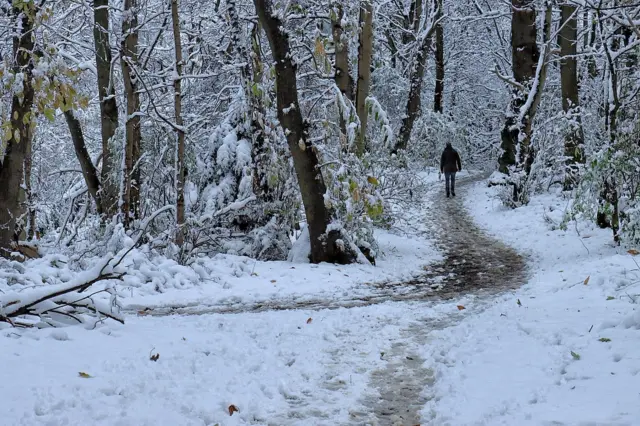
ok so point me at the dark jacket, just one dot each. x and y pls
(450, 161)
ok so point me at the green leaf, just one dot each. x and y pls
(610, 298)
(604, 339)
(50, 114)
(575, 355)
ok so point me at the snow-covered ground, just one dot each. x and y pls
(562, 350)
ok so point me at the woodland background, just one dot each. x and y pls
(203, 127)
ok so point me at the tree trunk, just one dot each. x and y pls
(305, 157)
(438, 97)
(365, 51)
(130, 203)
(89, 172)
(177, 89)
(415, 89)
(343, 78)
(18, 144)
(108, 105)
(417, 16)
(524, 59)
(568, 35)
(30, 201)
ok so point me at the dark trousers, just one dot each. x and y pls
(450, 181)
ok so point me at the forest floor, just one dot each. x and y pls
(478, 315)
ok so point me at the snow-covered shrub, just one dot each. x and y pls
(225, 215)
(610, 190)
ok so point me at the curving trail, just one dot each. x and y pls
(474, 263)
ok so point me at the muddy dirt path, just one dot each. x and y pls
(474, 263)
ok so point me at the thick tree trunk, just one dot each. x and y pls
(18, 145)
(130, 203)
(415, 89)
(30, 199)
(568, 39)
(108, 105)
(365, 51)
(305, 157)
(89, 172)
(177, 89)
(438, 97)
(524, 60)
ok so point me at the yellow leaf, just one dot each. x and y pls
(460, 307)
(633, 252)
(586, 281)
(84, 375)
(319, 47)
(373, 181)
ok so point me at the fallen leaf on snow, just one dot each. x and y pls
(604, 339)
(610, 298)
(155, 357)
(460, 307)
(84, 375)
(519, 303)
(233, 409)
(309, 320)
(575, 355)
(586, 280)
(273, 281)
(633, 252)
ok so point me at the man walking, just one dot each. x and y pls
(449, 165)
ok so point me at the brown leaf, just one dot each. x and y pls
(273, 281)
(586, 280)
(633, 252)
(143, 313)
(309, 320)
(233, 409)
(84, 375)
(460, 307)
(155, 357)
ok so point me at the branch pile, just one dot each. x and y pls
(63, 304)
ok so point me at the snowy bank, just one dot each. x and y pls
(563, 349)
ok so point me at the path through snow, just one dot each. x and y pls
(474, 263)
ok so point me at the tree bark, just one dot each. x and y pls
(29, 198)
(568, 35)
(89, 172)
(108, 104)
(343, 78)
(177, 89)
(413, 107)
(524, 60)
(18, 144)
(438, 97)
(305, 157)
(365, 51)
(130, 203)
